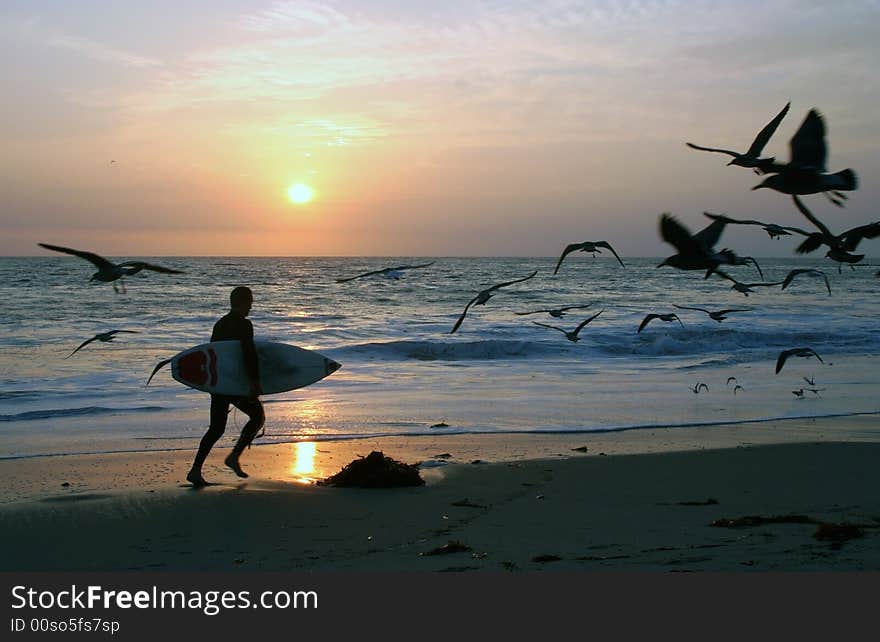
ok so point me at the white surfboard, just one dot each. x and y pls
(218, 367)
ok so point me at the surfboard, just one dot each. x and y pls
(218, 367)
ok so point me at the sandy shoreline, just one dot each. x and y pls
(645, 504)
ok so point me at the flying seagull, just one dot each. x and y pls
(662, 317)
(485, 295)
(751, 157)
(556, 313)
(805, 172)
(107, 271)
(841, 246)
(696, 251)
(795, 352)
(573, 334)
(773, 230)
(729, 379)
(586, 246)
(102, 336)
(718, 315)
(745, 288)
(818, 273)
(738, 387)
(390, 272)
(699, 386)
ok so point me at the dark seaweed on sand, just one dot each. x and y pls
(376, 471)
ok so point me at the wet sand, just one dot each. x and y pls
(637, 500)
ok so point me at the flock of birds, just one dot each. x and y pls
(805, 173)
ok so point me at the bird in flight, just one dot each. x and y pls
(696, 251)
(773, 230)
(795, 352)
(101, 336)
(573, 334)
(805, 172)
(718, 315)
(841, 246)
(586, 246)
(699, 386)
(738, 387)
(484, 295)
(745, 288)
(817, 273)
(751, 158)
(109, 272)
(390, 272)
(662, 317)
(556, 313)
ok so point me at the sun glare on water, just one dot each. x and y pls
(300, 193)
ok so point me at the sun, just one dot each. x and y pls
(300, 193)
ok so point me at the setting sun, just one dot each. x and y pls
(300, 193)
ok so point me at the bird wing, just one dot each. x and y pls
(98, 261)
(728, 311)
(360, 276)
(409, 267)
(815, 354)
(755, 263)
(647, 320)
(714, 149)
(812, 243)
(584, 323)
(503, 285)
(677, 319)
(794, 273)
(463, 314)
(573, 307)
(607, 245)
(82, 345)
(852, 238)
(808, 143)
(141, 265)
(571, 247)
(678, 235)
(826, 233)
(781, 359)
(546, 325)
(710, 234)
(532, 312)
(685, 307)
(733, 221)
(765, 134)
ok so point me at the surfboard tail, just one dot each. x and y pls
(330, 367)
(161, 365)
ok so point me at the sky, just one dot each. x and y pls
(453, 128)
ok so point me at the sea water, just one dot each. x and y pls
(403, 373)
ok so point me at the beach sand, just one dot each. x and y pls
(635, 501)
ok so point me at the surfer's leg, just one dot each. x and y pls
(219, 413)
(253, 408)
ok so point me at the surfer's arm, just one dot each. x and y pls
(251, 364)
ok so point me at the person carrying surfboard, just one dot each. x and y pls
(232, 326)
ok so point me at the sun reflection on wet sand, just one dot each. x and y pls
(304, 463)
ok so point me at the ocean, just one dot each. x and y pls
(403, 373)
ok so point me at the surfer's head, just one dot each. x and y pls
(241, 299)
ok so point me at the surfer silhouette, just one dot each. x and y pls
(233, 325)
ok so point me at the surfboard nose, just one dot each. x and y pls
(331, 366)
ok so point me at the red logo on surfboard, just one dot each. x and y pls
(197, 367)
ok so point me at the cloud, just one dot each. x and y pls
(33, 31)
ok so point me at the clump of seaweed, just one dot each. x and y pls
(375, 471)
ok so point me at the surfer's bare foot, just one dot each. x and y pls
(232, 461)
(195, 478)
